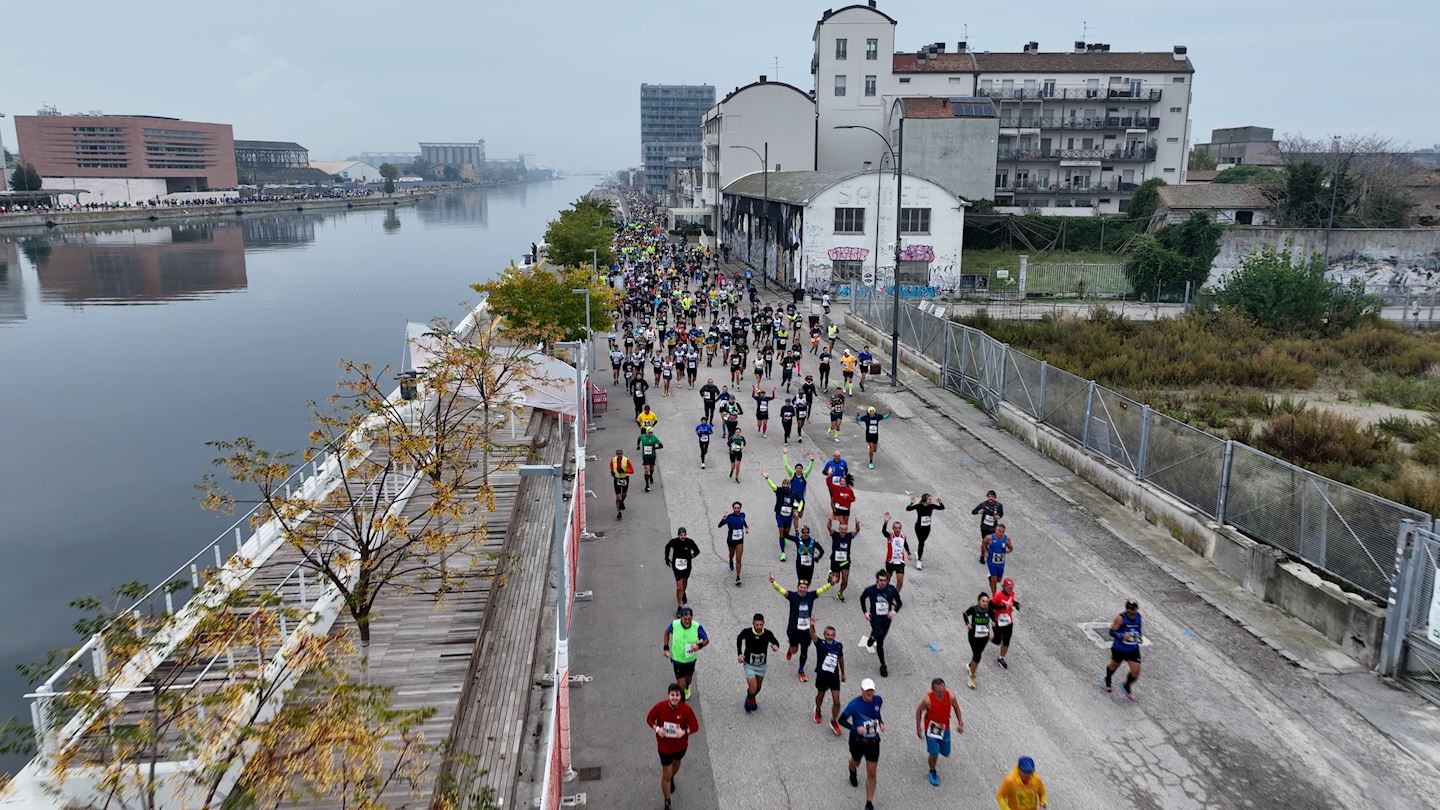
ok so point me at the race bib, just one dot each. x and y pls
(681, 564)
(934, 731)
(988, 520)
(1130, 637)
(757, 659)
(882, 606)
(785, 511)
(997, 558)
(872, 428)
(704, 438)
(841, 556)
(982, 631)
(870, 728)
(737, 534)
(837, 480)
(806, 559)
(671, 731)
(802, 623)
(831, 661)
(925, 520)
(1003, 620)
(691, 648)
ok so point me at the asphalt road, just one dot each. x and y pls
(1221, 721)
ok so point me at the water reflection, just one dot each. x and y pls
(465, 208)
(137, 265)
(12, 283)
(282, 230)
(392, 221)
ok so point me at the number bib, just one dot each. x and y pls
(934, 730)
(737, 535)
(1003, 620)
(982, 631)
(757, 659)
(830, 663)
(785, 510)
(988, 520)
(841, 555)
(881, 607)
(925, 520)
(671, 731)
(806, 560)
(681, 564)
(802, 623)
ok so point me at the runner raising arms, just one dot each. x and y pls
(923, 509)
(735, 530)
(680, 554)
(784, 509)
(896, 548)
(800, 630)
(673, 722)
(799, 478)
(1005, 605)
(829, 674)
(752, 648)
(932, 723)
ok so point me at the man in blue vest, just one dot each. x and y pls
(1128, 634)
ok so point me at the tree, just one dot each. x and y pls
(1282, 292)
(389, 171)
(588, 224)
(1146, 198)
(450, 173)
(389, 185)
(420, 167)
(1249, 174)
(1177, 255)
(327, 738)
(25, 178)
(1201, 159)
(1362, 178)
(539, 307)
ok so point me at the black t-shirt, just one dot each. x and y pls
(990, 513)
(872, 599)
(871, 421)
(922, 512)
(840, 546)
(787, 412)
(638, 388)
(680, 552)
(980, 621)
(755, 647)
(802, 609)
(709, 393)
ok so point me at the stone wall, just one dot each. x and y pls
(1382, 258)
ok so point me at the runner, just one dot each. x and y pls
(673, 721)
(824, 368)
(1005, 604)
(752, 648)
(836, 468)
(829, 674)
(735, 530)
(807, 553)
(620, 471)
(848, 362)
(932, 723)
(862, 717)
(787, 417)
(736, 445)
(837, 414)
(872, 421)
(692, 365)
(840, 539)
(730, 412)
(1128, 633)
(832, 333)
(1022, 789)
(684, 639)
(880, 604)
(799, 478)
(979, 622)
(923, 509)
(800, 630)
(762, 408)
(648, 443)
(709, 395)
(784, 509)
(896, 549)
(1000, 546)
(865, 359)
(704, 431)
(802, 410)
(990, 511)
(638, 387)
(842, 499)
(680, 554)
(617, 359)
(647, 418)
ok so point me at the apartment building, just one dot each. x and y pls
(670, 122)
(762, 124)
(1079, 130)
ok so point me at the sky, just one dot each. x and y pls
(560, 79)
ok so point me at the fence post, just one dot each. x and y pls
(1004, 361)
(1225, 464)
(1040, 406)
(1142, 462)
(1397, 612)
(1089, 405)
(945, 358)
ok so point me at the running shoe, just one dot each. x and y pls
(1003, 663)
(1106, 686)
(872, 466)
(935, 779)
(687, 693)
(884, 671)
(1129, 695)
(782, 556)
(817, 715)
(731, 563)
(737, 582)
(790, 653)
(970, 682)
(806, 678)
(854, 779)
(702, 465)
(919, 565)
(835, 727)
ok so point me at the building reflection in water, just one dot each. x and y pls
(12, 282)
(392, 221)
(139, 265)
(282, 230)
(463, 208)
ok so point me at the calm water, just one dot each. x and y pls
(123, 351)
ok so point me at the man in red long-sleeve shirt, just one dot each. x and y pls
(673, 722)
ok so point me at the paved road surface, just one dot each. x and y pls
(1222, 720)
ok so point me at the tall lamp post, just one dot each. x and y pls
(895, 159)
(589, 335)
(1334, 192)
(765, 169)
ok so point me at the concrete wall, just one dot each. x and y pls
(1347, 619)
(112, 189)
(769, 113)
(957, 153)
(849, 148)
(1398, 247)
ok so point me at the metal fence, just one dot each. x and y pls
(1106, 279)
(1411, 644)
(1342, 530)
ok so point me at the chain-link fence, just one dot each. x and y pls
(1337, 528)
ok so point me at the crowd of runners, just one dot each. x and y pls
(678, 311)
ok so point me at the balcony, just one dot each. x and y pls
(1128, 93)
(1119, 93)
(1139, 154)
(1111, 122)
(1114, 187)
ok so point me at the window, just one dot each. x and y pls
(957, 79)
(904, 79)
(1172, 140)
(872, 49)
(840, 85)
(844, 271)
(870, 86)
(1170, 171)
(849, 220)
(1178, 80)
(1174, 109)
(914, 273)
(1047, 88)
(915, 220)
(841, 45)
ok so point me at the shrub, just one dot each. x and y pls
(1146, 198)
(1422, 394)
(1427, 451)
(1283, 293)
(1322, 441)
(1415, 488)
(1398, 427)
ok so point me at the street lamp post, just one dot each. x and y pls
(765, 191)
(895, 158)
(589, 335)
(1334, 193)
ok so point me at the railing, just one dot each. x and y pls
(1092, 123)
(1070, 94)
(1337, 528)
(1067, 188)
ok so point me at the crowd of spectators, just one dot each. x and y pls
(224, 198)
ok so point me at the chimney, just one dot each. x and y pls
(1032, 47)
(1180, 51)
(960, 47)
(920, 57)
(762, 78)
(1105, 47)
(939, 47)
(872, 3)
(1079, 46)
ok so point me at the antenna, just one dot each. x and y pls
(777, 68)
(1084, 30)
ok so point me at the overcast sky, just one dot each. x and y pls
(561, 78)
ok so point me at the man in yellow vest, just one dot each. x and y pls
(1022, 789)
(620, 470)
(684, 638)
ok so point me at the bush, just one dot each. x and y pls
(1413, 394)
(1146, 198)
(1419, 489)
(1406, 430)
(1326, 442)
(1427, 451)
(1284, 294)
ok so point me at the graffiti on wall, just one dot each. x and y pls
(917, 253)
(848, 254)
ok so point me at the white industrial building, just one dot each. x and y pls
(762, 120)
(349, 171)
(1078, 129)
(821, 228)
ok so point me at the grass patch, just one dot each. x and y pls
(1321, 439)
(1407, 430)
(1419, 394)
(1416, 488)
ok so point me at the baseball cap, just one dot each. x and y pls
(867, 685)
(1027, 765)
(680, 530)
(1007, 583)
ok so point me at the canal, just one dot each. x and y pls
(123, 351)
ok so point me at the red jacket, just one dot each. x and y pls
(682, 717)
(841, 497)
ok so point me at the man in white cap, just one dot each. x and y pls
(862, 717)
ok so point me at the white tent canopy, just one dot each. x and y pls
(549, 386)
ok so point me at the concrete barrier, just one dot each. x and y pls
(1345, 618)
